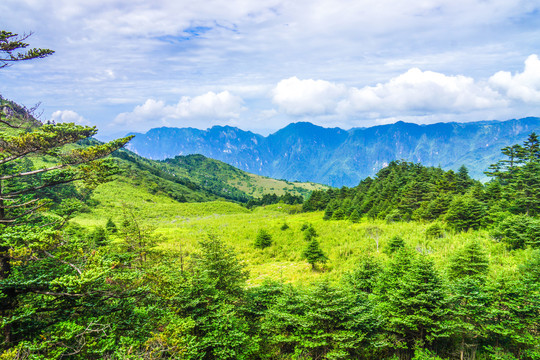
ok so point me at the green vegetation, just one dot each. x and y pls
(263, 240)
(417, 263)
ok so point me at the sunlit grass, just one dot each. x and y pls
(182, 225)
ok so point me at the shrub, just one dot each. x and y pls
(263, 240)
(434, 231)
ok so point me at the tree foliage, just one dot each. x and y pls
(13, 49)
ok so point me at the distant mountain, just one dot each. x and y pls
(306, 152)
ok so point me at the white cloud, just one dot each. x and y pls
(420, 91)
(414, 91)
(68, 116)
(297, 97)
(209, 106)
(524, 86)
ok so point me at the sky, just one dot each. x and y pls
(132, 65)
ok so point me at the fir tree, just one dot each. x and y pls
(355, 217)
(470, 261)
(310, 233)
(465, 213)
(313, 254)
(99, 236)
(395, 243)
(463, 179)
(416, 308)
(364, 277)
(263, 240)
(111, 227)
(339, 214)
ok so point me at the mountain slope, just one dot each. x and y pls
(196, 178)
(306, 152)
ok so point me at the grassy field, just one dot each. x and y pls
(181, 225)
(257, 186)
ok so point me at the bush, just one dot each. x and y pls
(518, 231)
(395, 243)
(263, 240)
(434, 231)
(393, 216)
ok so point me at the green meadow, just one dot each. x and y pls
(180, 226)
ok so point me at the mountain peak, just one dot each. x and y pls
(307, 152)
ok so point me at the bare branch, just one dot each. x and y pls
(17, 205)
(63, 261)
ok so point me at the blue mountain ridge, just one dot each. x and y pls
(307, 152)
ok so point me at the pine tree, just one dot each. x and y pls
(355, 217)
(310, 233)
(415, 309)
(313, 253)
(35, 239)
(111, 227)
(12, 49)
(469, 261)
(395, 243)
(263, 239)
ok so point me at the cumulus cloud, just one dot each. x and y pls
(68, 116)
(414, 91)
(524, 86)
(424, 92)
(211, 105)
(296, 97)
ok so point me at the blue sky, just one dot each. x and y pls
(132, 65)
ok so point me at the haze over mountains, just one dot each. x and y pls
(306, 152)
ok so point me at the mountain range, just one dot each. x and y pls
(306, 152)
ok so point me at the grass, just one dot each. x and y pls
(257, 186)
(181, 225)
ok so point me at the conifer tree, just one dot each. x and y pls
(365, 275)
(395, 243)
(314, 254)
(416, 308)
(469, 311)
(463, 179)
(34, 239)
(99, 236)
(469, 261)
(310, 233)
(111, 227)
(330, 208)
(355, 216)
(339, 214)
(12, 49)
(465, 213)
(263, 239)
